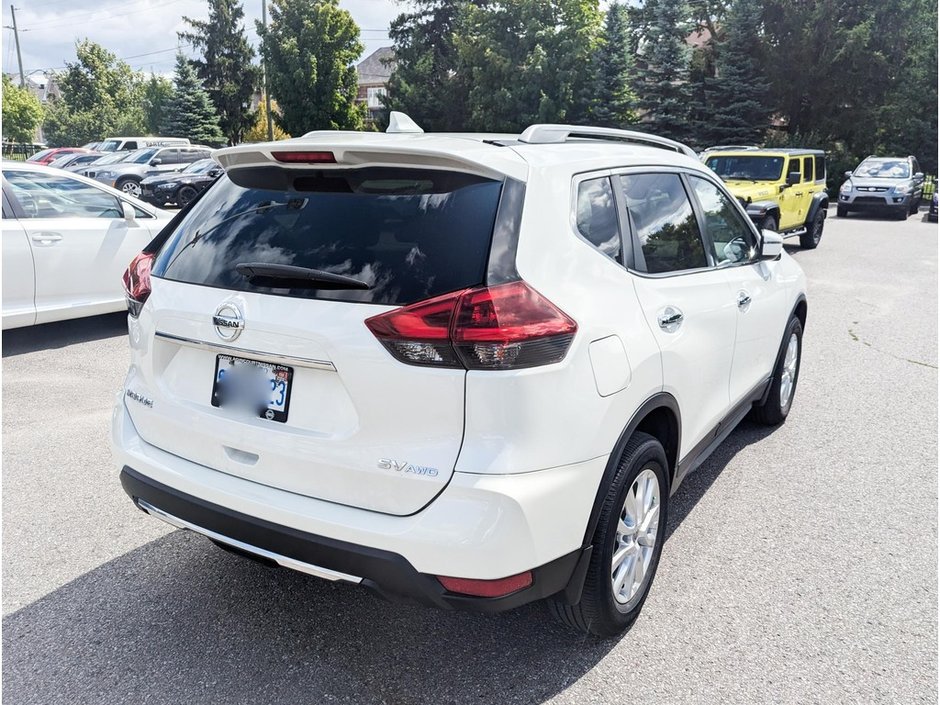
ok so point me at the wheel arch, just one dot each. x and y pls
(820, 202)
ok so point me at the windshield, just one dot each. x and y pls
(746, 168)
(141, 156)
(884, 168)
(113, 158)
(109, 145)
(410, 234)
(200, 167)
(40, 155)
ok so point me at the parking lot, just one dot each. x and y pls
(801, 564)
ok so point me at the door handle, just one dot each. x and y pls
(744, 300)
(670, 319)
(46, 238)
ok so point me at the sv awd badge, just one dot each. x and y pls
(404, 467)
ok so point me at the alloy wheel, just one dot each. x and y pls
(635, 540)
(788, 376)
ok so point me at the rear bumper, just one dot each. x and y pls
(480, 527)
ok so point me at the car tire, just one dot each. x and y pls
(768, 223)
(842, 212)
(604, 609)
(185, 195)
(129, 186)
(814, 231)
(914, 207)
(776, 407)
(901, 213)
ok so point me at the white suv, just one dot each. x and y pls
(467, 370)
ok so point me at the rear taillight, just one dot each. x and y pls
(509, 326)
(305, 157)
(137, 282)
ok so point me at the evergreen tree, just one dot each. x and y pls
(662, 86)
(226, 69)
(613, 103)
(310, 47)
(259, 131)
(736, 98)
(190, 113)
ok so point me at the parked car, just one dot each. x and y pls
(126, 175)
(66, 241)
(783, 190)
(92, 146)
(464, 370)
(75, 159)
(91, 168)
(49, 155)
(182, 187)
(131, 144)
(893, 184)
(932, 213)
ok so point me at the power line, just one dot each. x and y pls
(110, 16)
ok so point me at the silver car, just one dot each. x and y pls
(126, 175)
(893, 184)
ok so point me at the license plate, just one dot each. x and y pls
(258, 388)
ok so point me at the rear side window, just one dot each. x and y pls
(807, 168)
(597, 216)
(409, 234)
(820, 167)
(664, 222)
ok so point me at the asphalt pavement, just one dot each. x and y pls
(801, 565)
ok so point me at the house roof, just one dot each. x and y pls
(374, 69)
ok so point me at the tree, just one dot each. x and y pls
(662, 86)
(259, 131)
(736, 98)
(101, 95)
(22, 112)
(225, 67)
(158, 92)
(613, 103)
(309, 48)
(190, 113)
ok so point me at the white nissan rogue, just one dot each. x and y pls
(466, 370)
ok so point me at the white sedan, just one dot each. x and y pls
(66, 243)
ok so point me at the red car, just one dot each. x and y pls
(48, 155)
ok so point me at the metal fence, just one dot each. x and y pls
(20, 152)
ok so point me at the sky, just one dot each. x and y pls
(143, 32)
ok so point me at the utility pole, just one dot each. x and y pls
(264, 74)
(16, 38)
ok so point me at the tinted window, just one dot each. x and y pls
(168, 156)
(731, 237)
(807, 168)
(820, 167)
(597, 216)
(410, 234)
(746, 168)
(43, 195)
(130, 145)
(664, 222)
(794, 168)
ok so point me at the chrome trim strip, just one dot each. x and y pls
(284, 561)
(289, 359)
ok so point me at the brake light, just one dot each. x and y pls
(509, 326)
(305, 157)
(137, 282)
(487, 588)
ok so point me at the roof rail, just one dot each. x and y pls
(554, 134)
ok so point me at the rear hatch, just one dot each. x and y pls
(342, 420)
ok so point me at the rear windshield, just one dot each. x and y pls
(741, 168)
(409, 234)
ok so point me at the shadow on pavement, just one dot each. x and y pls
(179, 621)
(58, 335)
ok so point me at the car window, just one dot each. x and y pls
(168, 156)
(807, 168)
(916, 165)
(597, 216)
(795, 168)
(664, 223)
(820, 167)
(732, 239)
(188, 156)
(884, 168)
(749, 168)
(43, 195)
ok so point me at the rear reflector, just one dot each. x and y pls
(137, 282)
(487, 588)
(305, 157)
(503, 327)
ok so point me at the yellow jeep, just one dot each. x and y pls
(782, 189)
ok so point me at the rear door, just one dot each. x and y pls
(793, 198)
(687, 301)
(19, 282)
(351, 424)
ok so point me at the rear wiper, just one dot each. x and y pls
(286, 276)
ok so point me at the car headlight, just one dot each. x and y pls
(106, 174)
(846, 187)
(902, 189)
(162, 187)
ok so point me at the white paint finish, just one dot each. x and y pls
(19, 281)
(480, 526)
(610, 364)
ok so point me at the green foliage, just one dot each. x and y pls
(736, 98)
(613, 103)
(310, 47)
(226, 69)
(258, 132)
(158, 92)
(190, 113)
(662, 83)
(101, 96)
(22, 112)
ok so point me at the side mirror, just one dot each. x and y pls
(130, 217)
(793, 178)
(919, 175)
(771, 244)
(156, 161)
(215, 173)
(848, 174)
